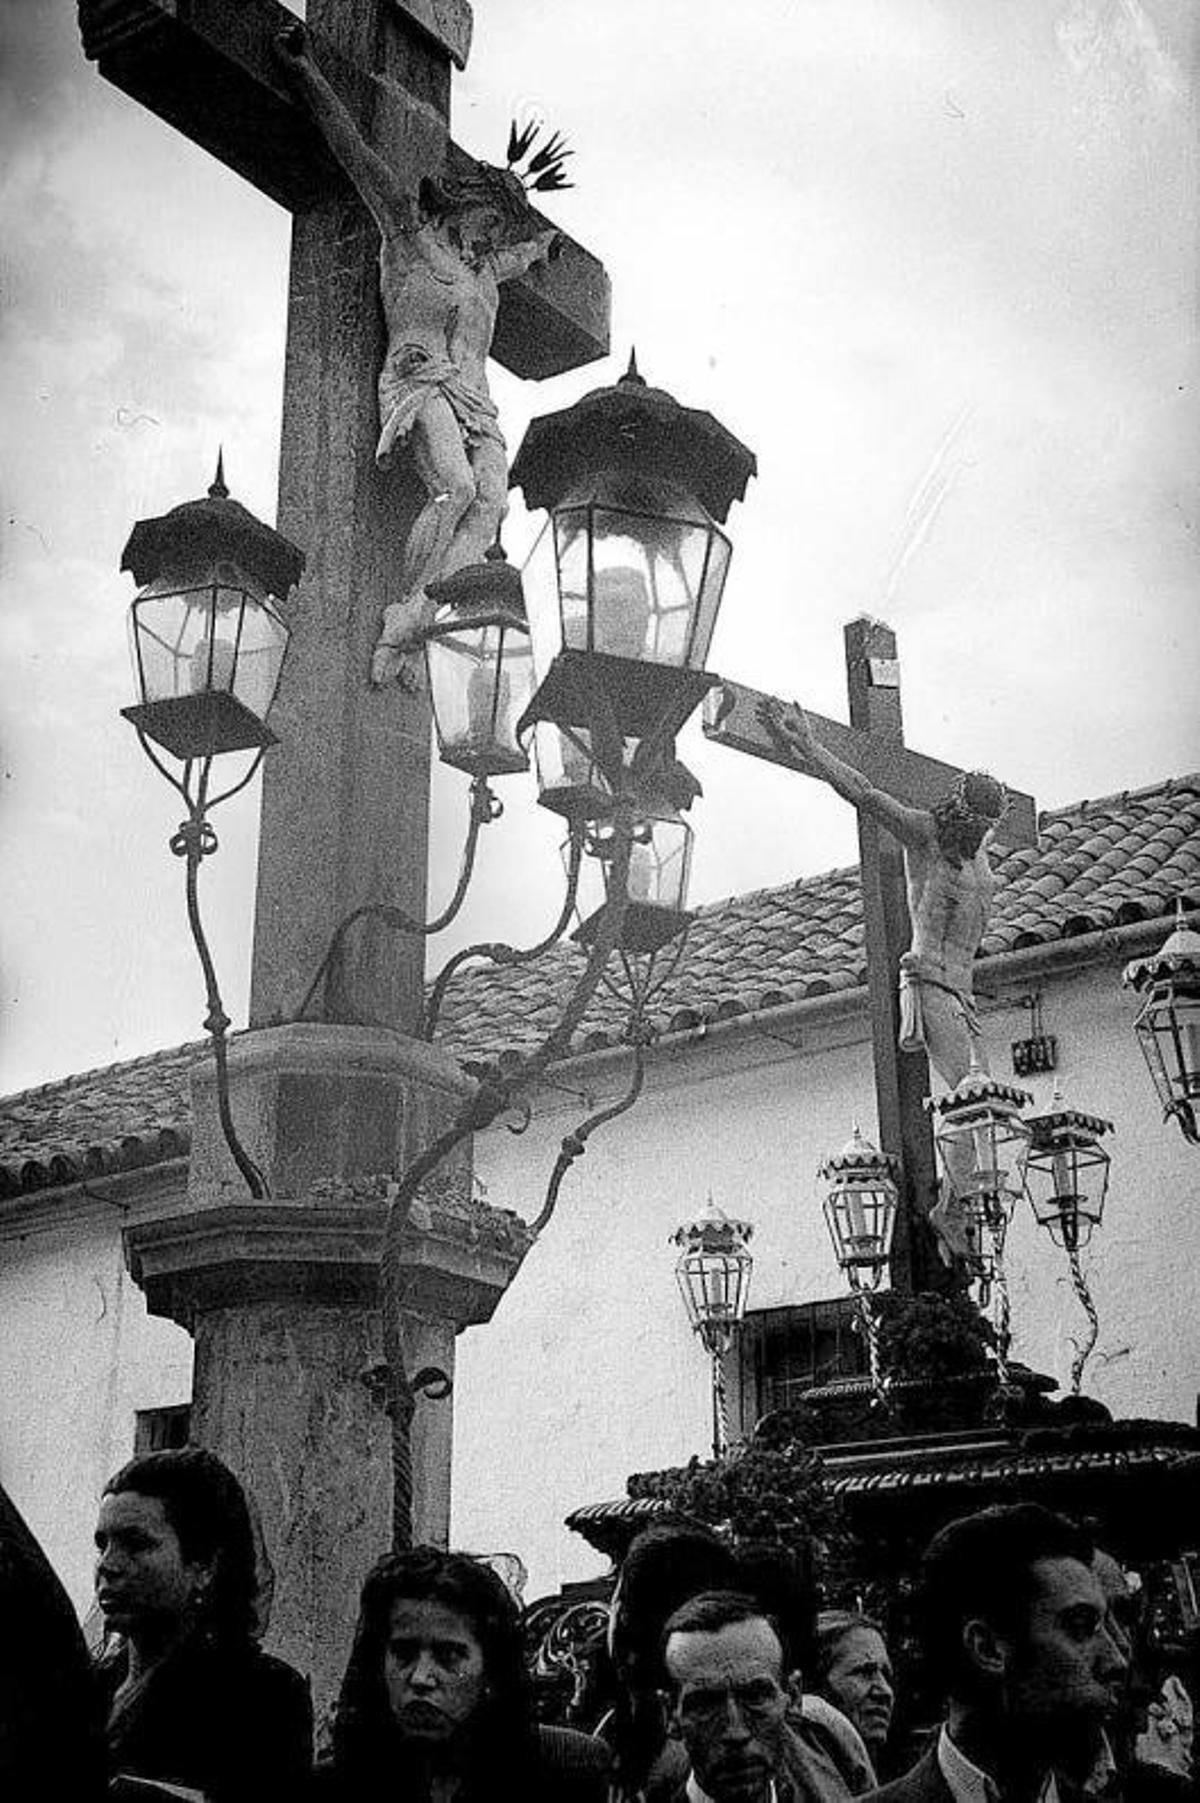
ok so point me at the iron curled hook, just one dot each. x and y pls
(433, 1382)
(193, 836)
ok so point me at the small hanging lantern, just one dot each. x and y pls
(860, 1205)
(983, 1141)
(207, 634)
(659, 865)
(480, 669)
(713, 1274)
(1168, 1026)
(1066, 1173)
(626, 581)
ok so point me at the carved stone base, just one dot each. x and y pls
(282, 1299)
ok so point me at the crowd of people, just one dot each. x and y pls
(726, 1684)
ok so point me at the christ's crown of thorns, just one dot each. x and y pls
(544, 169)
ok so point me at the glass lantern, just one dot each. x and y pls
(1066, 1173)
(207, 634)
(626, 579)
(659, 866)
(860, 1206)
(983, 1141)
(480, 669)
(1168, 1025)
(713, 1273)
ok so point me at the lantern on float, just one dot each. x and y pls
(207, 634)
(625, 583)
(1168, 1026)
(860, 1204)
(713, 1273)
(1066, 1172)
(983, 1141)
(480, 668)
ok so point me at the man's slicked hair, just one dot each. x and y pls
(981, 1567)
(713, 1610)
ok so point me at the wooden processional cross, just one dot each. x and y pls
(873, 744)
(345, 813)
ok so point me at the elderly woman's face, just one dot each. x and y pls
(144, 1585)
(433, 1670)
(859, 1681)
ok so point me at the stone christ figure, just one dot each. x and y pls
(950, 886)
(444, 252)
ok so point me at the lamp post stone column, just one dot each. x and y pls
(282, 1300)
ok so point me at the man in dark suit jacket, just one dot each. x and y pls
(1016, 1633)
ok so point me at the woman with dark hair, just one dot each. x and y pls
(190, 1697)
(436, 1703)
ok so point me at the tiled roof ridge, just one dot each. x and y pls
(1106, 862)
(194, 1047)
(1101, 804)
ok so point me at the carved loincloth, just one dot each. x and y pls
(408, 377)
(915, 977)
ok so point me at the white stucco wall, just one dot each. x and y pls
(588, 1370)
(78, 1356)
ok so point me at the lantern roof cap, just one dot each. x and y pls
(978, 1087)
(1178, 956)
(632, 426)
(1061, 1117)
(213, 528)
(713, 1231)
(858, 1157)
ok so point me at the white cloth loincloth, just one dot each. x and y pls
(405, 382)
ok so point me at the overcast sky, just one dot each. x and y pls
(934, 261)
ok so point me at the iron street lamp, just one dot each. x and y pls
(713, 1274)
(207, 634)
(1168, 1026)
(208, 639)
(625, 583)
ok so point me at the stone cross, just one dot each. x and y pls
(873, 744)
(345, 804)
(282, 1297)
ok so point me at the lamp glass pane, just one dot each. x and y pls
(569, 781)
(181, 644)
(710, 590)
(479, 680)
(253, 632)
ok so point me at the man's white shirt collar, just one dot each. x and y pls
(696, 1793)
(969, 1784)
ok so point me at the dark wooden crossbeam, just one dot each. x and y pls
(731, 718)
(209, 69)
(873, 744)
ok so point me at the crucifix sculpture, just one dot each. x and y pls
(923, 827)
(281, 1296)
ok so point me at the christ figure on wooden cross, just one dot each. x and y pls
(444, 251)
(949, 883)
